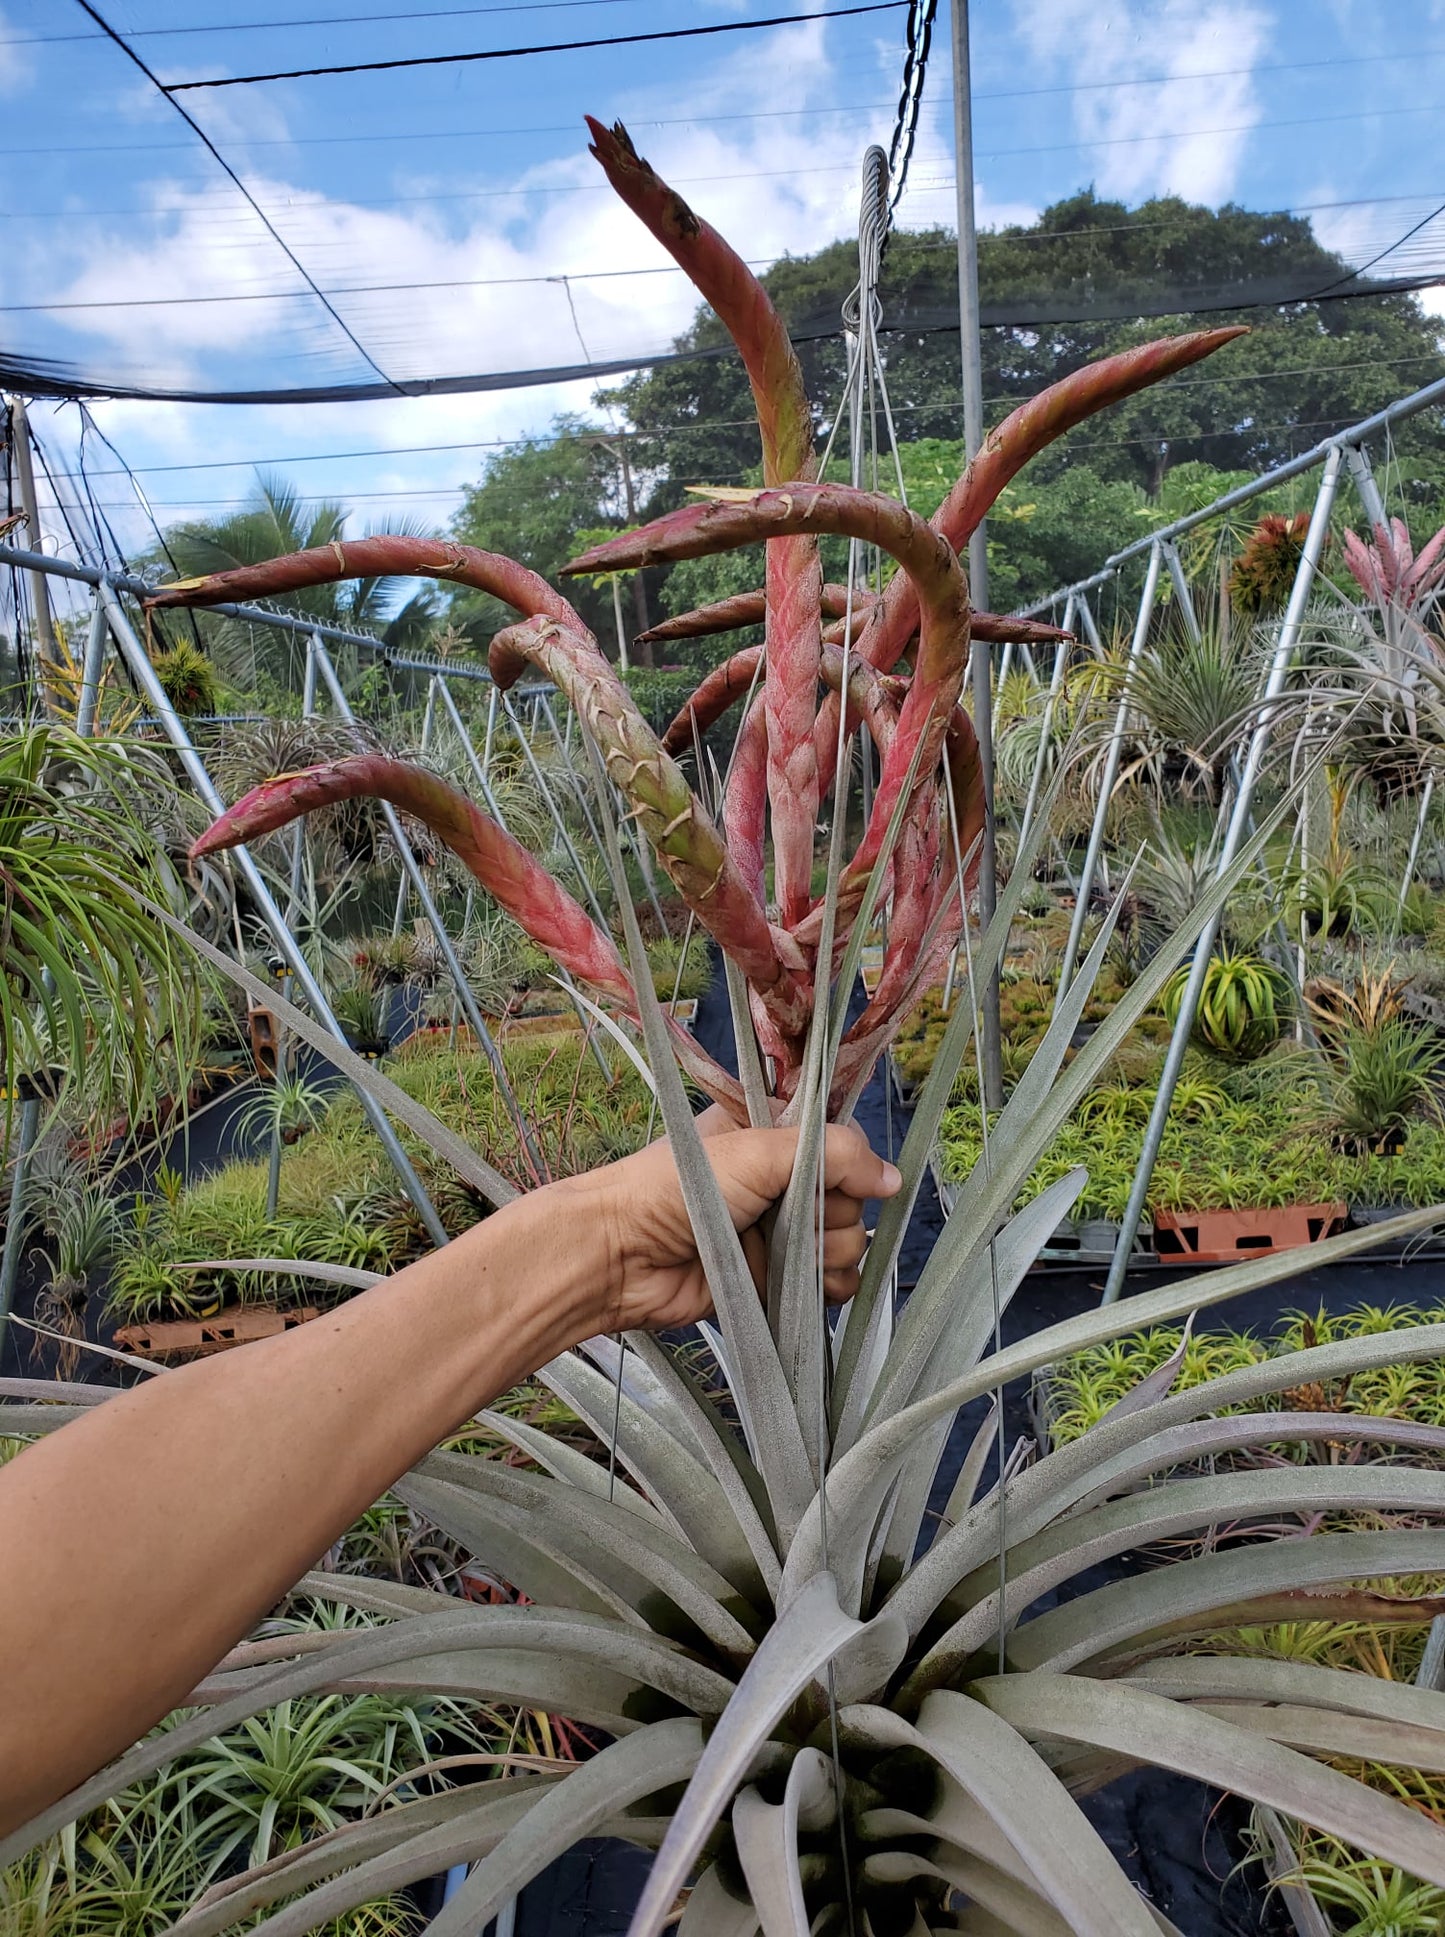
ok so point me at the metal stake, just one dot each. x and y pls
(1111, 770)
(25, 476)
(142, 671)
(293, 902)
(1181, 592)
(413, 868)
(479, 773)
(1420, 819)
(980, 657)
(1061, 653)
(10, 1257)
(1284, 650)
(88, 701)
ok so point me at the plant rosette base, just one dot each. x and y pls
(1224, 1237)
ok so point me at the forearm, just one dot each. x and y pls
(157, 1530)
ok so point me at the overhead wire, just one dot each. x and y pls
(88, 7)
(519, 53)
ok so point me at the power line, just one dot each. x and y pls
(554, 47)
(658, 432)
(221, 162)
(390, 19)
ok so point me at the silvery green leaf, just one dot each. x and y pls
(1356, 1738)
(1071, 1546)
(23, 1421)
(1129, 1722)
(712, 1912)
(1156, 1384)
(928, 1108)
(613, 1028)
(1181, 1597)
(686, 1490)
(507, 1517)
(886, 1444)
(522, 1550)
(724, 1455)
(567, 1463)
(1248, 1678)
(419, 1837)
(971, 1469)
(767, 1841)
(969, 1332)
(1065, 1856)
(1022, 1133)
(326, 1274)
(621, 1774)
(782, 1457)
(804, 1639)
(1013, 1903)
(750, 1066)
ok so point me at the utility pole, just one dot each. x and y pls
(25, 475)
(980, 659)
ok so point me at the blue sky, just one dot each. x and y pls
(475, 179)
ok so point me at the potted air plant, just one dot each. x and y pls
(815, 1727)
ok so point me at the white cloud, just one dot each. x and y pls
(1142, 131)
(17, 68)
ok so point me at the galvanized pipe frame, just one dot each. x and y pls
(1352, 436)
(1286, 642)
(137, 662)
(413, 871)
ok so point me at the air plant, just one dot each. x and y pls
(1261, 577)
(1241, 1004)
(816, 1727)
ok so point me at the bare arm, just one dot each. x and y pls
(144, 1540)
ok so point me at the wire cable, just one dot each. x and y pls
(131, 55)
(910, 102)
(518, 53)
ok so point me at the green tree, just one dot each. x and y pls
(1310, 367)
(531, 502)
(277, 520)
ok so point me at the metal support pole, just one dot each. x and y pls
(142, 671)
(427, 725)
(1420, 819)
(1111, 771)
(479, 773)
(25, 477)
(423, 893)
(88, 701)
(1061, 653)
(549, 799)
(623, 661)
(293, 903)
(1364, 481)
(1181, 592)
(14, 1233)
(1284, 652)
(1085, 612)
(980, 658)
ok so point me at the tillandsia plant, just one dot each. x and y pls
(817, 1727)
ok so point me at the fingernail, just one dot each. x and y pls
(892, 1179)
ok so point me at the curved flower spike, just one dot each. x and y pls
(385, 556)
(933, 574)
(785, 420)
(688, 846)
(540, 906)
(1022, 435)
(748, 608)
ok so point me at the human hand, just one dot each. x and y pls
(654, 1275)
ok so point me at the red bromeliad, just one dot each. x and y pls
(930, 785)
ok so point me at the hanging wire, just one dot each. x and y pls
(910, 101)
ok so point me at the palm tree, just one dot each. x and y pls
(277, 520)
